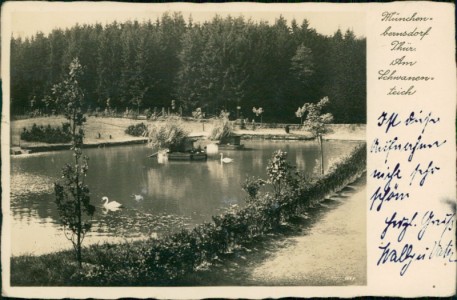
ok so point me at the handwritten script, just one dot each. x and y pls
(407, 149)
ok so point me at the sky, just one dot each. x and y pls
(28, 20)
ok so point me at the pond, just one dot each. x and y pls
(176, 194)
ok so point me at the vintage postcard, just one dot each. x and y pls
(231, 150)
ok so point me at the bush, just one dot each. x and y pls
(137, 130)
(165, 261)
(222, 130)
(47, 134)
(168, 134)
(278, 171)
(252, 185)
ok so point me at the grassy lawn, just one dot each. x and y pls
(113, 130)
(105, 126)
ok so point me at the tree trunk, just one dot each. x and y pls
(322, 153)
(79, 247)
(78, 197)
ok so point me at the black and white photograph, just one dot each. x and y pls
(187, 147)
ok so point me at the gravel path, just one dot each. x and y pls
(332, 252)
(326, 248)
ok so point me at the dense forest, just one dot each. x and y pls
(224, 63)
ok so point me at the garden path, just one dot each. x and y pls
(331, 252)
(327, 247)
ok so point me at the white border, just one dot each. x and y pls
(374, 286)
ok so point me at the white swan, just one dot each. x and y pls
(113, 205)
(137, 197)
(226, 159)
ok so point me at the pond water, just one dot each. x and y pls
(176, 194)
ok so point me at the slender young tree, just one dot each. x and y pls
(316, 122)
(258, 112)
(72, 194)
(299, 114)
(278, 170)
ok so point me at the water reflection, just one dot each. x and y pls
(175, 195)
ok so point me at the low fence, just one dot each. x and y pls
(335, 127)
(165, 260)
(257, 125)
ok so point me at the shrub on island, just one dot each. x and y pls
(166, 260)
(223, 129)
(169, 134)
(169, 259)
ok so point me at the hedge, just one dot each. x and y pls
(157, 262)
(47, 134)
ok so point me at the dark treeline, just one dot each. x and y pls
(221, 64)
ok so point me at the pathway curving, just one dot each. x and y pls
(331, 252)
(326, 248)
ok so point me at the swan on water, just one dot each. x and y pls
(113, 205)
(137, 197)
(226, 159)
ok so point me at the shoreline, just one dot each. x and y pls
(104, 263)
(62, 147)
(114, 129)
